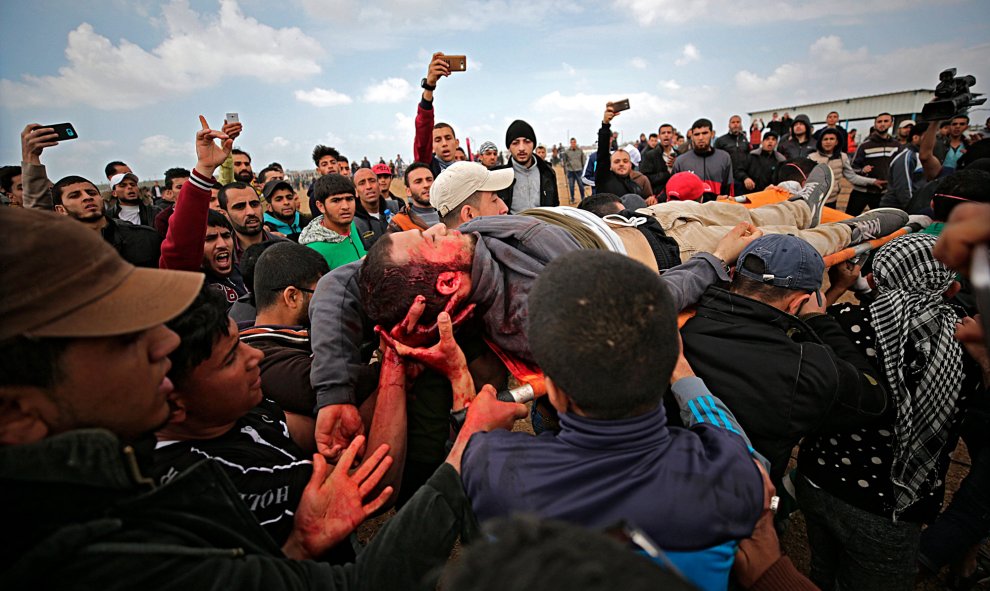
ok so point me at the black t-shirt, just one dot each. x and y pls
(267, 468)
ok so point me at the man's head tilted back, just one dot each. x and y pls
(604, 330)
(82, 339)
(435, 264)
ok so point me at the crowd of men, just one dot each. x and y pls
(215, 386)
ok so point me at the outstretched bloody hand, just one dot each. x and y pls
(332, 507)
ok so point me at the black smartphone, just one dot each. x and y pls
(622, 105)
(65, 131)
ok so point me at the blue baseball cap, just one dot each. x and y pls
(788, 262)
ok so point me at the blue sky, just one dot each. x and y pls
(132, 76)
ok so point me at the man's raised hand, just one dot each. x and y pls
(332, 507)
(34, 139)
(210, 155)
(437, 69)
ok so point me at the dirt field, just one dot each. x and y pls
(795, 540)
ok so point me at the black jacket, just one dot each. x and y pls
(605, 180)
(761, 167)
(370, 228)
(737, 145)
(781, 376)
(548, 185)
(654, 166)
(138, 245)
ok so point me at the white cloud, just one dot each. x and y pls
(638, 63)
(648, 12)
(322, 97)
(390, 90)
(279, 142)
(560, 116)
(436, 15)
(671, 85)
(199, 51)
(689, 54)
(161, 145)
(568, 69)
(831, 71)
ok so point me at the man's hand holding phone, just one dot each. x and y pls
(34, 139)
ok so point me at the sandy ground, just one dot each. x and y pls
(795, 540)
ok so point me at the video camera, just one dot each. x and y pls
(953, 96)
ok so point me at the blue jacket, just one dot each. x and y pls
(694, 491)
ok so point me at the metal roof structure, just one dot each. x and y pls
(905, 104)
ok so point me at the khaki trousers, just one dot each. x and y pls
(698, 227)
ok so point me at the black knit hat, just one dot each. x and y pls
(519, 128)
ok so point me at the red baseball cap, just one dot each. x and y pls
(686, 186)
(381, 169)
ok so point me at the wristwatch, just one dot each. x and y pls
(427, 86)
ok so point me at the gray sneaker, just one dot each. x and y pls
(815, 191)
(876, 223)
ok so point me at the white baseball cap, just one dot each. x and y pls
(460, 180)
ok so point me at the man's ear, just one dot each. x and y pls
(319, 206)
(467, 214)
(291, 297)
(448, 282)
(60, 209)
(556, 396)
(177, 409)
(25, 413)
(794, 305)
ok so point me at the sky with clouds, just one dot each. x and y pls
(132, 75)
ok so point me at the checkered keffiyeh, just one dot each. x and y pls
(911, 314)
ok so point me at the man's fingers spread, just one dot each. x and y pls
(202, 121)
(347, 458)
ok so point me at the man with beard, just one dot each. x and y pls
(242, 166)
(129, 207)
(535, 184)
(282, 213)
(78, 198)
(333, 233)
(420, 214)
(872, 159)
(710, 165)
(736, 144)
(243, 207)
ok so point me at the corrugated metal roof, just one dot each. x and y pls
(900, 104)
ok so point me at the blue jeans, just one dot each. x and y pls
(574, 178)
(852, 549)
